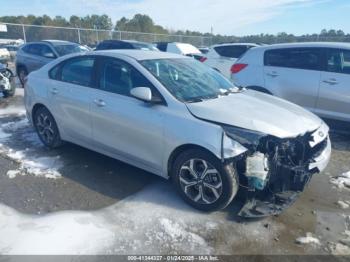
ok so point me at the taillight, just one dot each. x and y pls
(202, 59)
(237, 68)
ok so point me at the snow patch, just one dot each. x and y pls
(153, 221)
(13, 126)
(47, 167)
(343, 204)
(12, 110)
(13, 173)
(341, 181)
(309, 239)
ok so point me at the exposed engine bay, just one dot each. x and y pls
(275, 171)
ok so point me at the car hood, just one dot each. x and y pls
(259, 112)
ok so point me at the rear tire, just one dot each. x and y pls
(203, 181)
(46, 128)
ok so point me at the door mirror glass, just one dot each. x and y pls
(142, 93)
(49, 55)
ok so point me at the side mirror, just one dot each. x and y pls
(49, 55)
(142, 93)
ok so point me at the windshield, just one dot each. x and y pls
(189, 80)
(69, 49)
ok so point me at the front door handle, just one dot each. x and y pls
(99, 102)
(331, 81)
(273, 74)
(54, 90)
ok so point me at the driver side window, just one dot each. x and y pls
(119, 77)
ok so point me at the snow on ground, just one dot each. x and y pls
(153, 221)
(308, 239)
(341, 181)
(13, 111)
(28, 163)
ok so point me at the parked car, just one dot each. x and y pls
(4, 55)
(12, 50)
(177, 118)
(125, 44)
(181, 49)
(204, 50)
(34, 55)
(222, 57)
(313, 75)
(7, 81)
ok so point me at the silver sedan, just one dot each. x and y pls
(179, 119)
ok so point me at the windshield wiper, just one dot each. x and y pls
(232, 90)
(202, 98)
(194, 100)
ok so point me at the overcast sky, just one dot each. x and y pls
(231, 17)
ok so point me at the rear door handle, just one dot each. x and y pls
(331, 81)
(99, 102)
(54, 90)
(273, 74)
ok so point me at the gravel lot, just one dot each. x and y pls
(75, 201)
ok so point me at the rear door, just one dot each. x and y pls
(334, 95)
(124, 127)
(70, 97)
(294, 74)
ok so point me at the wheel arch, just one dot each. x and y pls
(179, 150)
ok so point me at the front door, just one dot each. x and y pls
(127, 128)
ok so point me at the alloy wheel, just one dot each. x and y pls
(45, 128)
(200, 181)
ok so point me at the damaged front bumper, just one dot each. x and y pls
(291, 165)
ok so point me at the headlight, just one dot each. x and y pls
(231, 148)
(248, 138)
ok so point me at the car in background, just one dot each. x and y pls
(125, 44)
(222, 57)
(313, 75)
(12, 50)
(181, 49)
(34, 55)
(177, 118)
(5, 55)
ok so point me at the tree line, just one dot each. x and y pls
(142, 23)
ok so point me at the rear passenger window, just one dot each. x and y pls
(338, 61)
(78, 71)
(231, 51)
(300, 58)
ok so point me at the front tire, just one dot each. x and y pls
(46, 128)
(203, 181)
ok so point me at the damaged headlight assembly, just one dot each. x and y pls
(274, 170)
(241, 141)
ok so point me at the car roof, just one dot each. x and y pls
(138, 54)
(306, 44)
(235, 44)
(125, 41)
(53, 42)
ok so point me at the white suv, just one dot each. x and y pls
(313, 75)
(222, 57)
